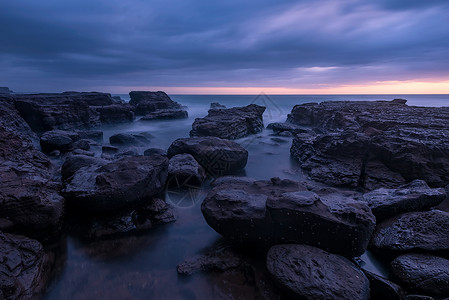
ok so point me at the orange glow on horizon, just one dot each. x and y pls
(378, 88)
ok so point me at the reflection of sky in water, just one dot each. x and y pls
(144, 266)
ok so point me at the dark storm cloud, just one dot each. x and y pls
(80, 44)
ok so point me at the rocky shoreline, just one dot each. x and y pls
(378, 175)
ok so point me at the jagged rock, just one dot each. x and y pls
(283, 211)
(166, 114)
(28, 196)
(306, 272)
(76, 162)
(372, 144)
(413, 196)
(117, 184)
(217, 156)
(23, 265)
(414, 231)
(422, 273)
(127, 139)
(115, 113)
(232, 123)
(382, 288)
(148, 102)
(183, 169)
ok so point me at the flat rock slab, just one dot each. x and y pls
(23, 267)
(282, 211)
(306, 272)
(118, 183)
(231, 123)
(413, 196)
(415, 231)
(421, 273)
(217, 156)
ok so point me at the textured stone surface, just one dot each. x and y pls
(382, 288)
(146, 102)
(232, 123)
(306, 272)
(184, 169)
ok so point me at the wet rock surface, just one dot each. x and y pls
(414, 231)
(217, 156)
(271, 212)
(413, 196)
(183, 169)
(305, 272)
(421, 273)
(28, 195)
(116, 184)
(231, 123)
(372, 144)
(23, 267)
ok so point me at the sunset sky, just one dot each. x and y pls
(226, 47)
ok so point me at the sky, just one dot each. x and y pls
(226, 47)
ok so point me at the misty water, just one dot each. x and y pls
(143, 266)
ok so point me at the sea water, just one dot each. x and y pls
(143, 266)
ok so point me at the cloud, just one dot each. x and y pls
(296, 44)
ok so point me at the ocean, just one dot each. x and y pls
(143, 266)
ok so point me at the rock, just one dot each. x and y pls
(217, 156)
(23, 265)
(117, 184)
(287, 127)
(83, 152)
(116, 113)
(5, 90)
(413, 196)
(148, 102)
(232, 123)
(285, 134)
(419, 297)
(153, 151)
(216, 105)
(127, 139)
(56, 140)
(381, 288)
(109, 150)
(372, 144)
(283, 211)
(28, 196)
(81, 144)
(76, 162)
(306, 272)
(422, 273)
(93, 135)
(183, 169)
(414, 231)
(166, 114)
(219, 260)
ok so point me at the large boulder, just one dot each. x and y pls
(415, 231)
(372, 144)
(232, 123)
(183, 169)
(116, 184)
(23, 267)
(422, 273)
(413, 196)
(217, 156)
(283, 211)
(382, 288)
(115, 113)
(146, 102)
(305, 272)
(28, 196)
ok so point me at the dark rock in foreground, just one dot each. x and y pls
(306, 272)
(413, 196)
(423, 273)
(232, 123)
(415, 231)
(150, 102)
(266, 213)
(28, 196)
(23, 267)
(117, 184)
(372, 144)
(381, 288)
(217, 156)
